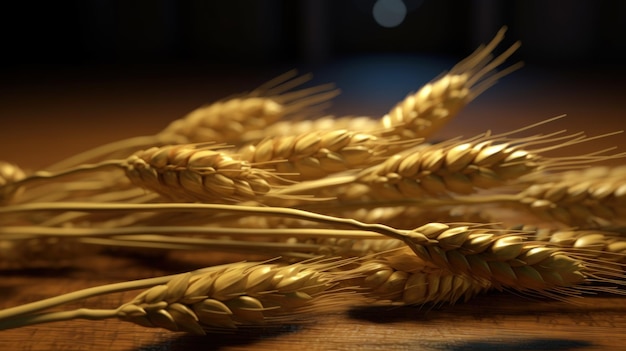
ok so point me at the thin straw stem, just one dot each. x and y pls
(173, 230)
(82, 313)
(409, 238)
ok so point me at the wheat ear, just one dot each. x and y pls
(225, 296)
(587, 198)
(504, 257)
(421, 114)
(604, 246)
(191, 173)
(384, 282)
(186, 172)
(316, 154)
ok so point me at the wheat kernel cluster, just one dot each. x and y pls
(346, 210)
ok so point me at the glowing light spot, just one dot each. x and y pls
(389, 13)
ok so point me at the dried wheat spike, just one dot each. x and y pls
(9, 174)
(421, 114)
(192, 173)
(316, 154)
(226, 121)
(503, 257)
(588, 198)
(458, 167)
(235, 295)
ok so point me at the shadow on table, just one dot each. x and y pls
(220, 340)
(538, 344)
(492, 306)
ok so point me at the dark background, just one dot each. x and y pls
(94, 71)
(556, 32)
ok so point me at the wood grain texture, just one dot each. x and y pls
(496, 321)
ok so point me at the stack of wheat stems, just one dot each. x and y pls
(347, 210)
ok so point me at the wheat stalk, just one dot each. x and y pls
(411, 238)
(421, 114)
(35, 245)
(401, 217)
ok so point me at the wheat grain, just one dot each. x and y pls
(421, 114)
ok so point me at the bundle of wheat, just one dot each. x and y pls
(396, 217)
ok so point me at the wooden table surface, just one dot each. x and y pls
(41, 124)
